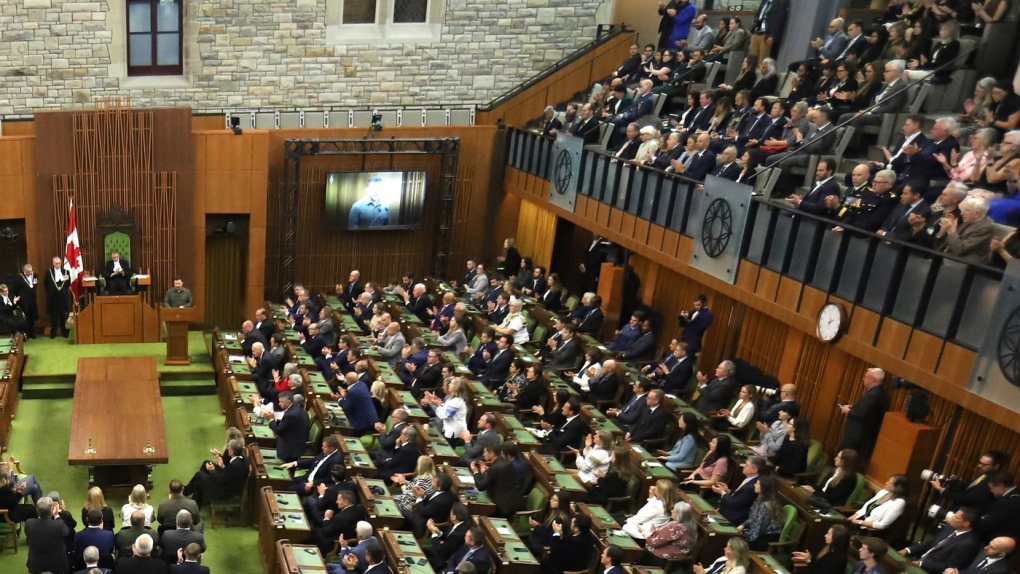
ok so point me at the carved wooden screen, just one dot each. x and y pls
(113, 172)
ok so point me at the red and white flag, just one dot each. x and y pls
(72, 254)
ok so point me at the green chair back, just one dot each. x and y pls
(792, 527)
(632, 487)
(537, 499)
(119, 241)
(861, 494)
(815, 457)
(538, 335)
(571, 303)
(315, 436)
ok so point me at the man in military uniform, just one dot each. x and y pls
(370, 211)
(867, 207)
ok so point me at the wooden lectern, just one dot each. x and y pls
(176, 320)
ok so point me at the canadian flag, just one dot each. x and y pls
(72, 254)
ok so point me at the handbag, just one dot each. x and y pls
(774, 148)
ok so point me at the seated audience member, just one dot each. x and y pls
(871, 553)
(590, 320)
(953, 546)
(594, 457)
(327, 493)
(741, 414)
(90, 560)
(821, 140)
(569, 433)
(422, 485)
(839, 484)
(651, 424)
(514, 324)
(392, 344)
(642, 349)
(736, 559)
(715, 467)
(867, 208)
(629, 414)
(317, 467)
(655, 513)
(572, 546)
(766, 519)
(446, 542)
(138, 500)
(970, 237)
(404, 458)
(590, 369)
(897, 224)
(94, 500)
(13, 490)
(358, 548)
(879, 512)
(514, 382)
(629, 333)
(990, 560)
(188, 559)
(220, 480)
(675, 539)
(567, 350)
(387, 439)
(831, 558)
(718, 393)
(487, 343)
(976, 493)
(141, 559)
(686, 448)
(613, 484)
(824, 196)
(342, 522)
(1004, 113)
(497, 475)
(487, 435)
(541, 526)
(735, 505)
(96, 537)
(791, 458)
(454, 339)
(166, 512)
(172, 541)
(434, 506)
(126, 537)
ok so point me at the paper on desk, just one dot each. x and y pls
(142, 276)
(540, 433)
(503, 530)
(230, 336)
(712, 518)
(466, 479)
(653, 463)
(637, 449)
(238, 359)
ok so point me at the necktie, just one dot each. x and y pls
(847, 49)
(981, 565)
(932, 549)
(763, 13)
(882, 94)
(633, 400)
(620, 153)
(311, 475)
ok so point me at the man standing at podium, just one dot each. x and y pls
(58, 298)
(117, 274)
(178, 296)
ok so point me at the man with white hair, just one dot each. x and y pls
(142, 561)
(552, 124)
(923, 163)
(45, 536)
(418, 302)
(864, 418)
(970, 236)
(173, 540)
(513, 324)
(358, 548)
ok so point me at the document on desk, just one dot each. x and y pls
(466, 479)
(229, 336)
(236, 359)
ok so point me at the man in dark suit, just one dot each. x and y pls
(173, 540)
(611, 560)
(435, 506)
(820, 140)
(569, 433)
(680, 373)
(291, 429)
(350, 292)
(473, 551)
(727, 167)
(387, 441)
(375, 557)
(694, 323)
(953, 546)
(126, 537)
(592, 320)
(664, 158)
(635, 406)
(551, 124)
(498, 365)
(500, 480)
(587, 127)
(604, 386)
(630, 66)
(404, 458)
(91, 561)
(45, 534)
(629, 149)
(891, 100)
(925, 165)
(566, 351)
(897, 225)
(474, 447)
(571, 547)
(94, 536)
(643, 348)
(418, 302)
(787, 402)
(446, 543)
(427, 377)
(975, 494)
(817, 200)
(142, 560)
(58, 298)
(343, 522)
(486, 339)
(356, 401)
(735, 505)
(652, 422)
(250, 336)
(719, 392)
(864, 418)
(188, 561)
(117, 273)
(314, 342)
(991, 560)
(26, 287)
(263, 324)
(318, 467)
(703, 161)
(1001, 517)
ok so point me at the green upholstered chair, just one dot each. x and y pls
(120, 242)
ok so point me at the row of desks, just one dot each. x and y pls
(12, 363)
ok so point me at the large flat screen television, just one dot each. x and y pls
(375, 200)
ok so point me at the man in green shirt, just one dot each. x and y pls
(177, 296)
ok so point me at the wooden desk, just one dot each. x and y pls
(403, 553)
(298, 558)
(553, 475)
(381, 508)
(358, 461)
(116, 319)
(763, 563)
(608, 532)
(255, 429)
(331, 417)
(510, 555)
(12, 364)
(119, 448)
(280, 518)
(712, 527)
(396, 399)
(478, 501)
(511, 428)
(265, 468)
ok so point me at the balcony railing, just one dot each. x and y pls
(945, 296)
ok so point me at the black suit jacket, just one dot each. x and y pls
(480, 558)
(420, 306)
(227, 482)
(403, 460)
(901, 162)
(736, 504)
(436, 507)
(897, 226)
(450, 541)
(569, 434)
(291, 433)
(694, 328)
(701, 166)
(729, 172)
(267, 328)
(814, 201)
(499, 366)
(46, 549)
(629, 414)
(136, 565)
(663, 159)
(592, 322)
(999, 567)
(569, 553)
(717, 395)
(188, 568)
(565, 355)
(651, 424)
(586, 130)
(603, 387)
(679, 376)
(255, 336)
(344, 522)
(504, 485)
(945, 552)
(864, 419)
(1001, 519)
(774, 20)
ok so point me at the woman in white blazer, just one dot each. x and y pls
(885, 507)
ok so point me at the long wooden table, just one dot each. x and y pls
(117, 428)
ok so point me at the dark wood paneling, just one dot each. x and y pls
(226, 261)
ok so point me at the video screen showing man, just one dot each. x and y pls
(371, 210)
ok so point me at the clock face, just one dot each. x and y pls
(830, 322)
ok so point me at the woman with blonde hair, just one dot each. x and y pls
(423, 475)
(454, 340)
(137, 501)
(94, 500)
(655, 513)
(736, 559)
(594, 457)
(451, 411)
(378, 392)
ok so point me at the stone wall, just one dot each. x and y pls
(244, 54)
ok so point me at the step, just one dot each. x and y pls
(62, 386)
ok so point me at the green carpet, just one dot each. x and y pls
(59, 357)
(40, 439)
